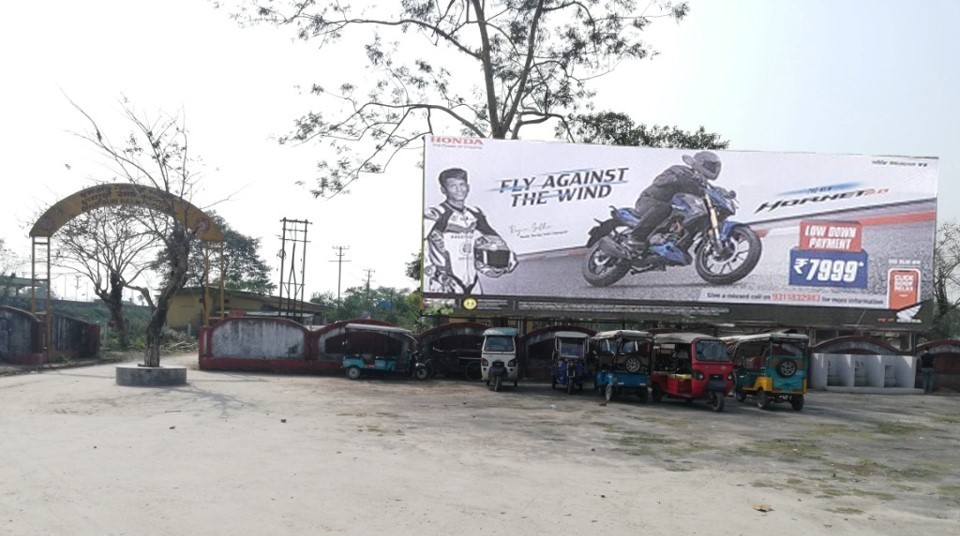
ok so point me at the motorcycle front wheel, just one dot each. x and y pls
(602, 270)
(737, 257)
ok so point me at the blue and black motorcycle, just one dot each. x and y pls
(724, 251)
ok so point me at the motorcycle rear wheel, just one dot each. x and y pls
(711, 264)
(602, 270)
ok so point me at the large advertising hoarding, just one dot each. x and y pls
(519, 228)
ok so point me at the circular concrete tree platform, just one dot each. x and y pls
(140, 376)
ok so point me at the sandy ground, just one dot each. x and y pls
(238, 453)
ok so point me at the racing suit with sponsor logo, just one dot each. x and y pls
(451, 265)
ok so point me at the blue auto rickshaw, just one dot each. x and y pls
(623, 360)
(568, 366)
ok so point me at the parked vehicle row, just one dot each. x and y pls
(770, 367)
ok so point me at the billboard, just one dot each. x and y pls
(546, 229)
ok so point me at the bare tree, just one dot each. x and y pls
(155, 153)
(114, 250)
(9, 261)
(946, 278)
(485, 68)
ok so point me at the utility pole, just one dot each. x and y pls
(339, 262)
(369, 272)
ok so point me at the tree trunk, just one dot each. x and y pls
(178, 251)
(120, 324)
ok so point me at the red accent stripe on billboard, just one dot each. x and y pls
(899, 218)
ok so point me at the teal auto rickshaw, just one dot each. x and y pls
(623, 362)
(383, 350)
(771, 367)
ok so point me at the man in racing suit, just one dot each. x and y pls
(461, 244)
(654, 202)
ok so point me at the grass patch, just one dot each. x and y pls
(845, 511)
(665, 421)
(789, 450)
(824, 429)
(636, 444)
(899, 428)
(678, 469)
(687, 448)
(861, 468)
(883, 496)
(633, 439)
(913, 473)
(949, 493)
(946, 419)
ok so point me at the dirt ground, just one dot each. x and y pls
(244, 453)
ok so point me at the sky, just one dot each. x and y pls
(810, 76)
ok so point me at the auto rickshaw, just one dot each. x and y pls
(499, 362)
(691, 366)
(374, 348)
(568, 364)
(771, 367)
(622, 360)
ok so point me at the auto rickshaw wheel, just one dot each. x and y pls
(657, 393)
(553, 382)
(643, 394)
(497, 383)
(739, 394)
(632, 364)
(787, 368)
(717, 400)
(569, 386)
(763, 401)
(609, 393)
(796, 402)
(353, 373)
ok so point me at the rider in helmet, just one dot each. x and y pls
(461, 244)
(654, 202)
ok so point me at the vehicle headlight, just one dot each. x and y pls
(484, 362)
(697, 375)
(512, 363)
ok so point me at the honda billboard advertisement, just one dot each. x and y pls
(516, 228)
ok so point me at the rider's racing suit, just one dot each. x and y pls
(654, 202)
(451, 265)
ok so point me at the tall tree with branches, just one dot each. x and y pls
(155, 153)
(114, 250)
(242, 267)
(614, 128)
(946, 279)
(486, 68)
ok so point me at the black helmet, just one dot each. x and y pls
(705, 163)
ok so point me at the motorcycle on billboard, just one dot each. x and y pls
(697, 232)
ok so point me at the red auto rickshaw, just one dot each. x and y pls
(691, 366)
